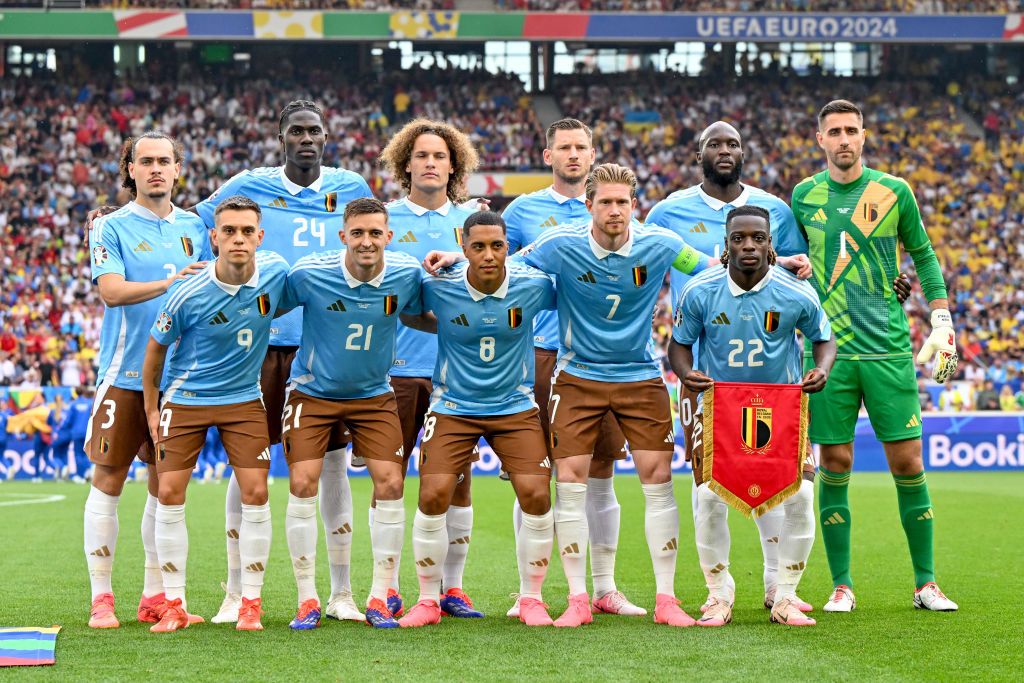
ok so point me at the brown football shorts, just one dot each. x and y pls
(611, 444)
(412, 395)
(242, 427)
(118, 430)
(277, 367)
(449, 442)
(578, 405)
(373, 424)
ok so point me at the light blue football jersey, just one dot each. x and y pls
(418, 231)
(526, 218)
(349, 326)
(134, 243)
(750, 336)
(222, 332)
(485, 361)
(700, 219)
(297, 221)
(606, 299)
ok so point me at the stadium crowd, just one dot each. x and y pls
(59, 142)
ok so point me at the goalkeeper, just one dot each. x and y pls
(856, 219)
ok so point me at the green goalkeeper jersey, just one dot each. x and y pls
(854, 233)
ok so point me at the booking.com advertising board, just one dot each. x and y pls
(964, 441)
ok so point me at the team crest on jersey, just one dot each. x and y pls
(756, 426)
(639, 275)
(771, 321)
(331, 202)
(163, 322)
(515, 317)
(186, 244)
(263, 304)
(99, 255)
(390, 304)
(458, 234)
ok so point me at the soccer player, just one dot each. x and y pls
(351, 299)
(432, 160)
(148, 237)
(483, 387)
(856, 219)
(78, 415)
(749, 349)
(570, 153)
(219, 322)
(301, 203)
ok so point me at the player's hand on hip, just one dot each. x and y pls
(436, 260)
(814, 381)
(941, 343)
(696, 380)
(799, 265)
(902, 287)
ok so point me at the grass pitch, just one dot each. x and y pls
(979, 551)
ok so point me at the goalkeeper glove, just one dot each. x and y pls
(942, 344)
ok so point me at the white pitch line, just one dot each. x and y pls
(33, 498)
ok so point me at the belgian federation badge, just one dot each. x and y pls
(263, 304)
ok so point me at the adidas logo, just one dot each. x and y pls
(265, 455)
(387, 563)
(928, 514)
(773, 539)
(168, 567)
(101, 552)
(337, 307)
(549, 223)
(834, 518)
(461, 320)
(819, 217)
(798, 567)
(671, 545)
(914, 422)
(425, 562)
(279, 203)
(587, 278)
(345, 528)
(219, 319)
(233, 533)
(143, 246)
(255, 567)
(721, 319)
(460, 541)
(700, 227)
(543, 562)
(571, 549)
(408, 238)
(717, 569)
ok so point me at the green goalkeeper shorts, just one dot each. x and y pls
(888, 388)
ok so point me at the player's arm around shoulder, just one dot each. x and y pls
(167, 328)
(687, 328)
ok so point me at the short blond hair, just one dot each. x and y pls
(610, 174)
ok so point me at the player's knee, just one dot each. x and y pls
(534, 500)
(255, 495)
(434, 500)
(388, 488)
(109, 480)
(171, 493)
(837, 457)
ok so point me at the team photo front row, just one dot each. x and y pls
(329, 322)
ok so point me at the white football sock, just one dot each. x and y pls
(429, 546)
(100, 538)
(603, 513)
(769, 526)
(387, 535)
(254, 547)
(694, 502)
(533, 551)
(398, 561)
(232, 524)
(796, 540)
(571, 529)
(300, 530)
(661, 526)
(713, 542)
(172, 549)
(460, 527)
(336, 511)
(517, 516)
(152, 582)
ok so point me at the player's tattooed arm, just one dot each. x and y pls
(424, 322)
(680, 357)
(824, 356)
(152, 371)
(436, 260)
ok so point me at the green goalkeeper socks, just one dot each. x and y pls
(834, 510)
(918, 524)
